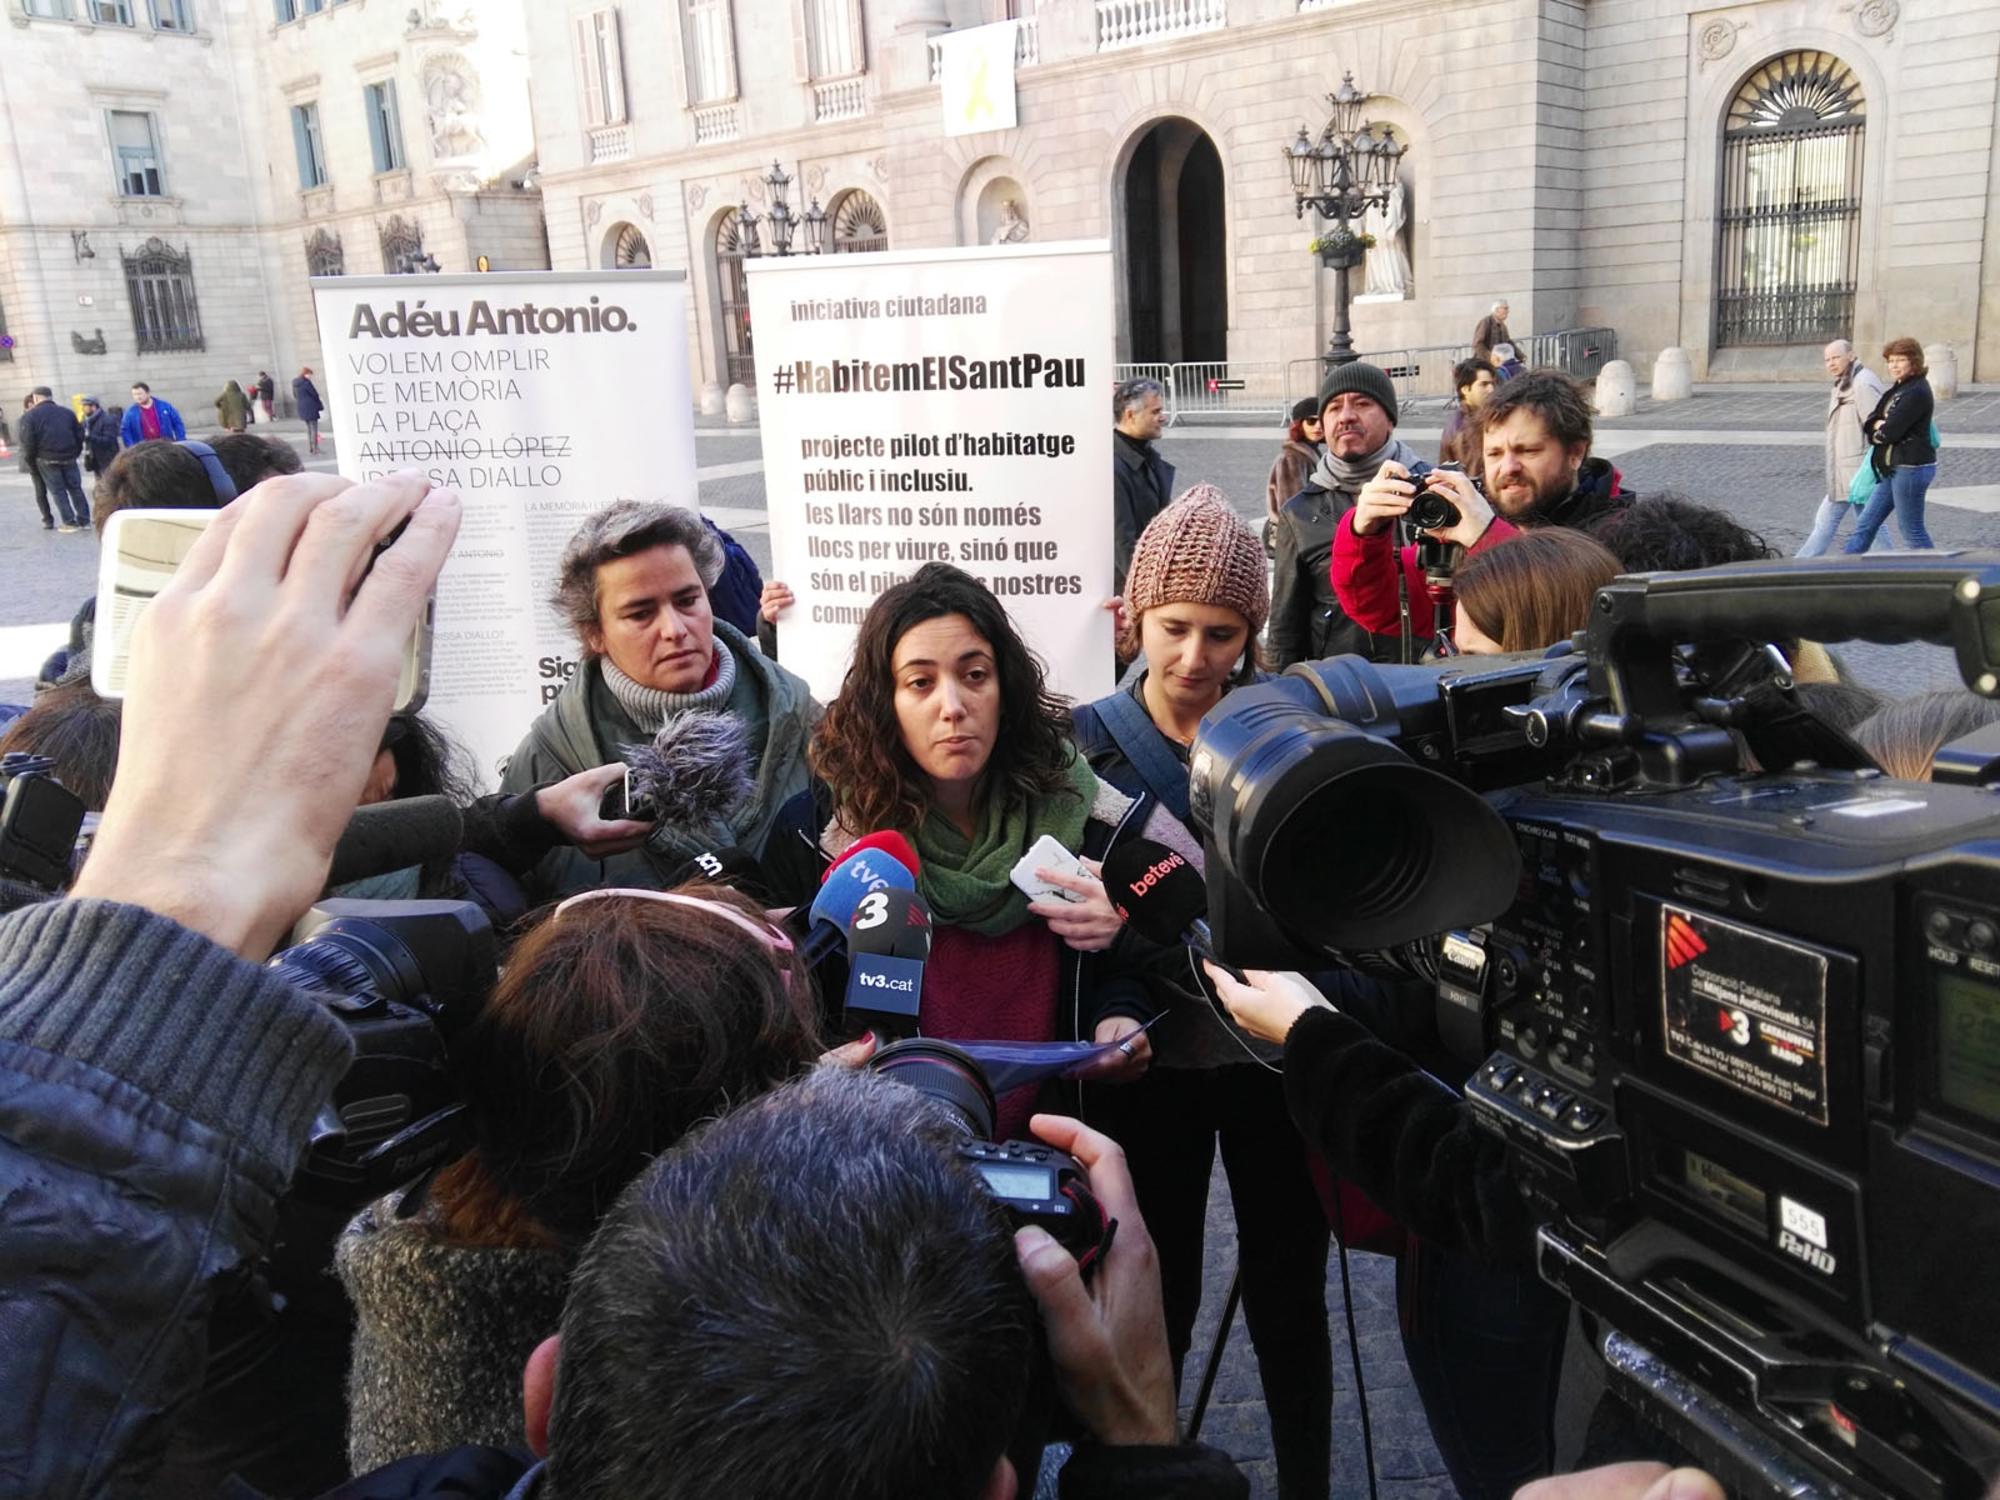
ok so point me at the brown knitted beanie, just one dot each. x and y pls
(1196, 551)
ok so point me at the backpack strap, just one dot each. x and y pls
(1145, 747)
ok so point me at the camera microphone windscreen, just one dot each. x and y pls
(841, 892)
(890, 843)
(888, 939)
(389, 836)
(695, 773)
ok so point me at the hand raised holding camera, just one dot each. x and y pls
(1383, 499)
(261, 677)
(1474, 514)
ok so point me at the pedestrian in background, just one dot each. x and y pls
(1142, 481)
(1294, 466)
(232, 408)
(1902, 450)
(1857, 391)
(148, 417)
(1491, 332)
(100, 436)
(52, 440)
(34, 474)
(1472, 381)
(305, 396)
(266, 392)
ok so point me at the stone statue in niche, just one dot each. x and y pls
(452, 98)
(1388, 272)
(1012, 228)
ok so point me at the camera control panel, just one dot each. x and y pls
(1542, 994)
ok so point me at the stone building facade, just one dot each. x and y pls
(171, 171)
(1741, 180)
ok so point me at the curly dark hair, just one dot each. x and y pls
(1671, 534)
(858, 751)
(1558, 400)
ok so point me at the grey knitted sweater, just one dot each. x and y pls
(443, 1332)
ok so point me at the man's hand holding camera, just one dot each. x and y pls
(1108, 1341)
(1389, 495)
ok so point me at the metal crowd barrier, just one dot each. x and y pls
(1422, 374)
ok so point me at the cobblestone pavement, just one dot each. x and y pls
(1771, 487)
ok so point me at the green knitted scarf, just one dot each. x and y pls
(965, 880)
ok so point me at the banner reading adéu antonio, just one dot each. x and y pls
(519, 390)
(948, 406)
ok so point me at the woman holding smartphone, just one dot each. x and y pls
(945, 731)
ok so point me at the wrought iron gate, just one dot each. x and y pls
(1789, 220)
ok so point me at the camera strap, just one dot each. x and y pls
(1135, 733)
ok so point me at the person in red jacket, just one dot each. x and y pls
(1534, 435)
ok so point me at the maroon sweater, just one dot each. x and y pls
(995, 989)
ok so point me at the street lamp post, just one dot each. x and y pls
(1344, 173)
(780, 221)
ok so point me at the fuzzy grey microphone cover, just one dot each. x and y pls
(697, 772)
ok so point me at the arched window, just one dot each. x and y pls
(1790, 212)
(859, 224)
(324, 256)
(733, 293)
(403, 246)
(159, 280)
(630, 251)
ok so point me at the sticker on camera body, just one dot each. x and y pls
(1746, 1008)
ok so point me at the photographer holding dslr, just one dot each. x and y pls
(1534, 437)
(160, 1087)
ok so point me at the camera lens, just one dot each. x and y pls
(353, 957)
(946, 1075)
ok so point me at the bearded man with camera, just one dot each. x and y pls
(1536, 469)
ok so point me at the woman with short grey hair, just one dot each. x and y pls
(634, 584)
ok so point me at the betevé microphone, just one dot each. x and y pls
(846, 883)
(1161, 896)
(732, 866)
(388, 836)
(888, 940)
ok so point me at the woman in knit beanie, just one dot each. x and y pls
(1196, 596)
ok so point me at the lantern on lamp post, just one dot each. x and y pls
(1347, 170)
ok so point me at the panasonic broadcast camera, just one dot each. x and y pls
(1731, 996)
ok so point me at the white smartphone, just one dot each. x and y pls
(1047, 854)
(141, 551)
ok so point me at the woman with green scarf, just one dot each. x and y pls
(945, 731)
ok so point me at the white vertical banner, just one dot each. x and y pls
(976, 78)
(540, 396)
(948, 406)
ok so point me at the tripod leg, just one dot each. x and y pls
(1215, 1355)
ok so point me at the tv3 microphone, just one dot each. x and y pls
(889, 842)
(846, 883)
(888, 940)
(1160, 895)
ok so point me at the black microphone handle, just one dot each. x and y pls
(390, 836)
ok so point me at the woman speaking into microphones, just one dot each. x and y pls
(945, 732)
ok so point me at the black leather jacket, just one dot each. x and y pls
(1307, 622)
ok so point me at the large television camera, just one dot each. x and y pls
(1739, 1028)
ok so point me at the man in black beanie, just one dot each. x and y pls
(1357, 411)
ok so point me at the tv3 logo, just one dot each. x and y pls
(1802, 1235)
(871, 911)
(1684, 944)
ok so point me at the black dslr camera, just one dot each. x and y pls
(1738, 1029)
(1432, 509)
(40, 819)
(406, 977)
(1036, 1184)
